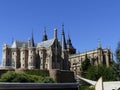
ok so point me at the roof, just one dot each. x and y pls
(47, 43)
(19, 44)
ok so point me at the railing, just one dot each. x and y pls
(39, 86)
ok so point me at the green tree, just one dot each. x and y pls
(116, 65)
(92, 73)
(95, 72)
(86, 64)
(106, 73)
(117, 53)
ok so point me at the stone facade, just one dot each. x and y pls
(97, 56)
(51, 54)
(28, 55)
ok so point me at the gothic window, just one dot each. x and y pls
(31, 51)
(8, 63)
(13, 53)
(31, 57)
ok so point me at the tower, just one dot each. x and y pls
(6, 59)
(31, 53)
(64, 51)
(63, 42)
(31, 57)
(100, 54)
(70, 48)
(45, 35)
(24, 56)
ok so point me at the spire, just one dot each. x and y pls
(45, 35)
(55, 33)
(64, 47)
(32, 40)
(62, 28)
(69, 44)
(99, 44)
(70, 48)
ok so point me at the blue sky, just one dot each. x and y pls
(86, 21)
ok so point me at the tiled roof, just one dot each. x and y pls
(47, 43)
(19, 44)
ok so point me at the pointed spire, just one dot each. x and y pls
(70, 48)
(32, 40)
(55, 33)
(62, 28)
(64, 47)
(69, 43)
(45, 35)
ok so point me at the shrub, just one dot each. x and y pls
(48, 80)
(36, 72)
(12, 76)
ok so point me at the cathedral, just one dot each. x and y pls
(51, 54)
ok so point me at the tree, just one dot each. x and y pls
(86, 64)
(117, 53)
(92, 73)
(95, 72)
(116, 66)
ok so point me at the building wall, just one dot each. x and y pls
(97, 57)
(43, 58)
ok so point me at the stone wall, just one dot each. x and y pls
(62, 76)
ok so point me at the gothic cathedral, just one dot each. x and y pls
(51, 54)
